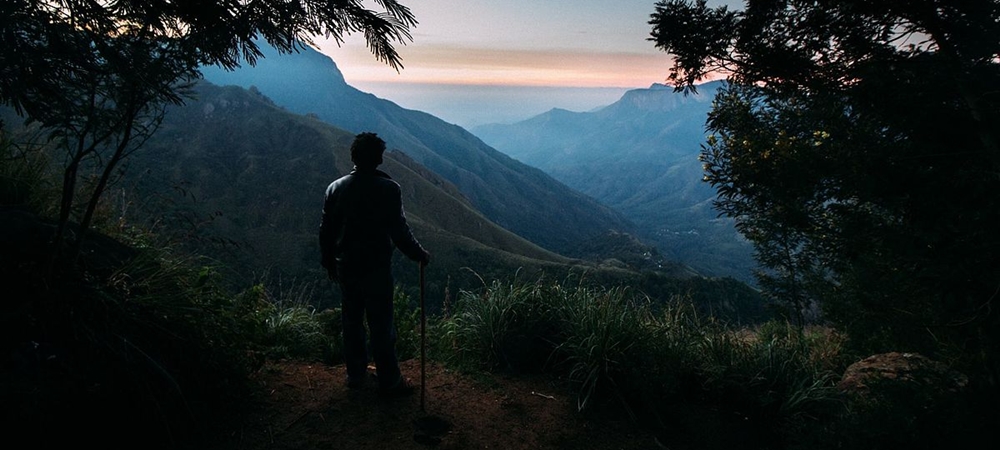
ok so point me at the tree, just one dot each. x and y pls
(856, 146)
(98, 75)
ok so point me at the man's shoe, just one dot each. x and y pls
(362, 382)
(401, 389)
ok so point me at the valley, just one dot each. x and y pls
(558, 179)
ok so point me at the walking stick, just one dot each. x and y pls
(423, 340)
(429, 429)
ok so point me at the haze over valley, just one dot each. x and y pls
(469, 106)
(632, 165)
(238, 173)
(640, 155)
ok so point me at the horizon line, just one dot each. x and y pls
(449, 83)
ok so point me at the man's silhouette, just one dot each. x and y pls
(363, 222)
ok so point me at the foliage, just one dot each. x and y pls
(139, 343)
(856, 147)
(496, 328)
(143, 344)
(98, 75)
(915, 406)
(48, 41)
(288, 325)
(23, 179)
(406, 317)
(722, 298)
(612, 346)
(778, 377)
(893, 414)
(599, 330)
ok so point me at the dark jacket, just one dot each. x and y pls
(363, 221)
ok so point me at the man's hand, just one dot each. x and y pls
(332, 274)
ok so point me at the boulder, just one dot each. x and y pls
(901, 368)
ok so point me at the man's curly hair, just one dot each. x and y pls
(367, 149)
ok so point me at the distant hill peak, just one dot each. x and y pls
(710, 85)
(639, 155)
(308, 67)
(515, 196)
(662, 98)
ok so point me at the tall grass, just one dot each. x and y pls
(496, 328)
(601, 332)
(24, 178)
(612, 344)
(291, 326)
(406, 317)
(148, 346)
(770, 375)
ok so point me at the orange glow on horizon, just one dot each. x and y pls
(518, 43)
(443, 64)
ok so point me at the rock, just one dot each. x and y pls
(906, 401)
(901, 368)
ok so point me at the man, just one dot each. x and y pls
(363, 222)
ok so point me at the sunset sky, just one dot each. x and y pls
(595, 48)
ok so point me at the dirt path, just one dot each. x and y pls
(307, 406)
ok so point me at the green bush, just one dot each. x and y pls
(600, 331)
(495, 329)
(330, 321)
(774, 377)
(24, 180)
(613, 345)
(406, 316)
(289, 325)
(664, 365)
(150, 348)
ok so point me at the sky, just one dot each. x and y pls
(485, 61)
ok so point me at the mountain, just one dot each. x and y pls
(236, 177)
(232, 175)
(640, 156)
(514, 195)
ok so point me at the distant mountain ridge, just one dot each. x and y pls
(251, 176)
(514, 195)
(640, 156)
(233, 176)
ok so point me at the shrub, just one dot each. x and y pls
(772, 377)
(331, 325)
(406, 316)
(151, 349)
(497, 328)
(290, 326)
(654, 361)
(665, 364)
(23, 175)
(599, 333)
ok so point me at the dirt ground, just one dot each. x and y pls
(308, 406)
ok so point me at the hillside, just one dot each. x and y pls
(640, 156)
(233, 176)
(514, 195)
(94, 359)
